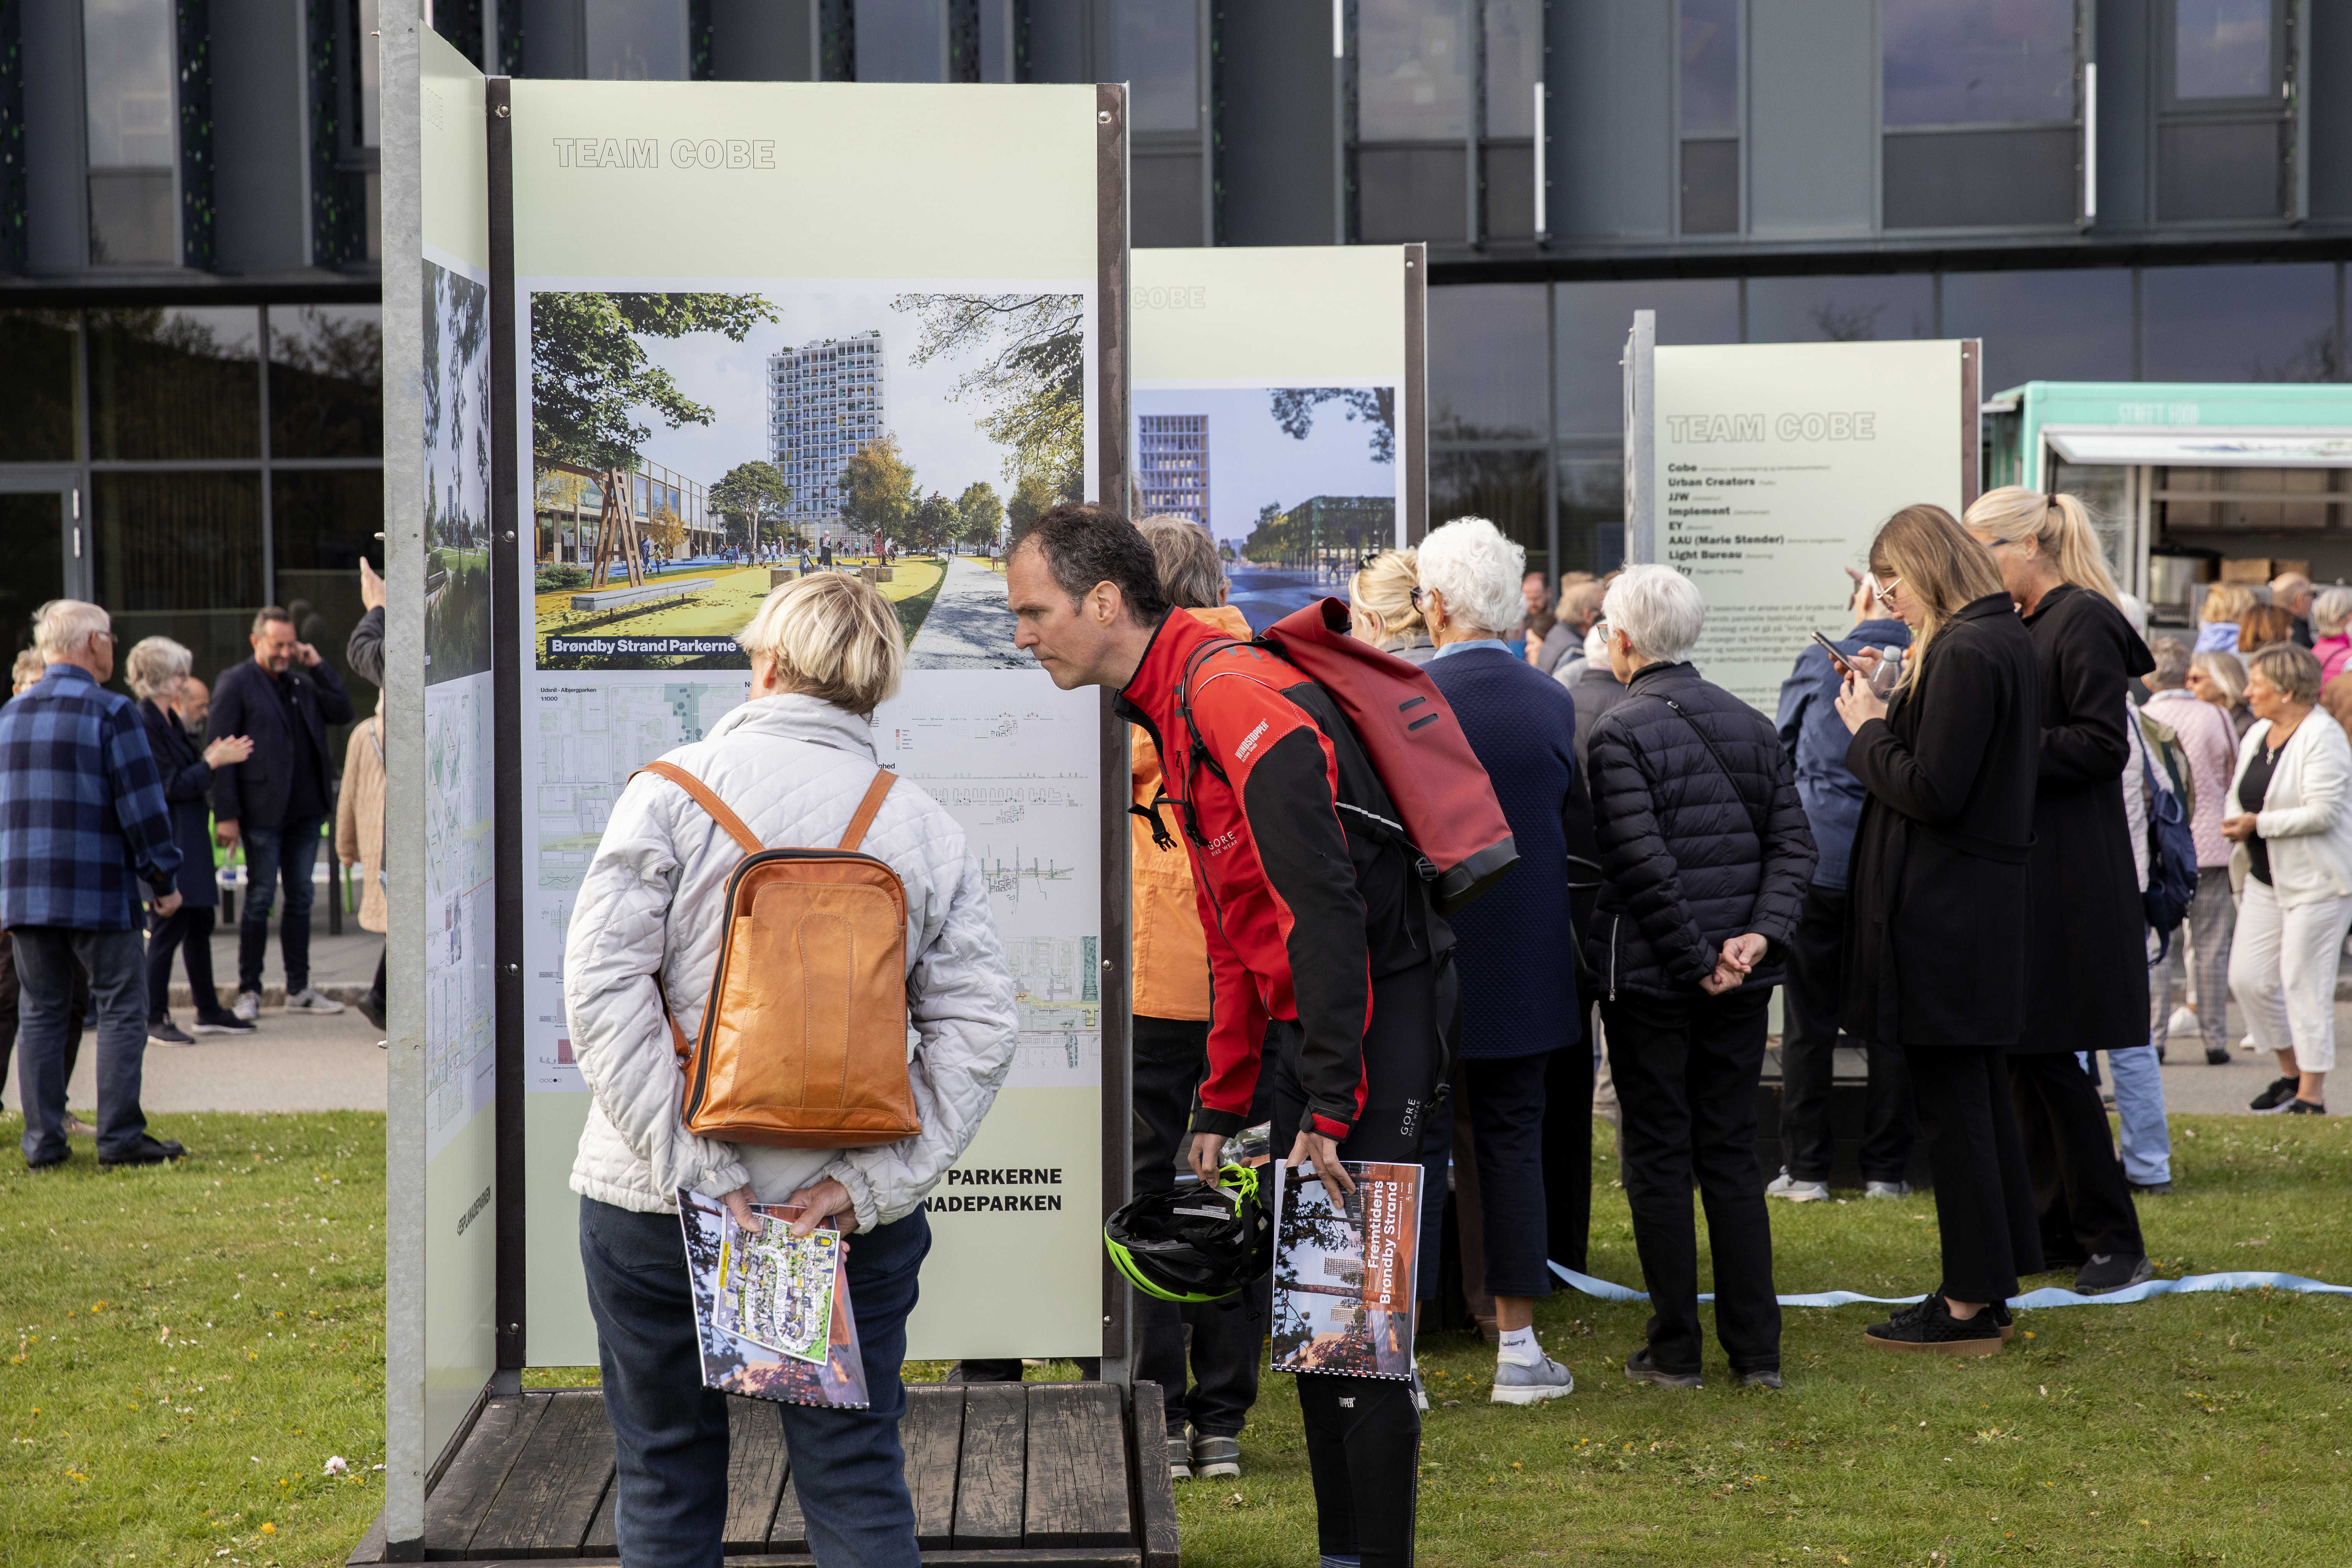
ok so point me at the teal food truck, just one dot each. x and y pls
(2182, 477)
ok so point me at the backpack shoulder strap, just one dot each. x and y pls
(1755, 813)
(707, 798)
(882, 779)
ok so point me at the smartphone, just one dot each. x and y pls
(1840, 659)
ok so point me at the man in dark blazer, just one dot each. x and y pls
(277, 801)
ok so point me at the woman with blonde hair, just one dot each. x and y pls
(1384, 606)
(1936, 959)
(2290, 821)
(2220, 678)
(2331, 613)
(2225, 605)
(796, 765)
(2086, 982)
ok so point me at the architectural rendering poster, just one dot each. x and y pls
(881, 362)
(459, 775)
(1269, 409)
(1774, 464)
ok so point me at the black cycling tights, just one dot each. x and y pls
(1363, 1434)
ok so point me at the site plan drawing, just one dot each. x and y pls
(459, 898)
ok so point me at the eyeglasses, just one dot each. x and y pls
(1883, 593)
(1604, 629)
(1417, 591)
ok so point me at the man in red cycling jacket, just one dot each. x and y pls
(1329, 966)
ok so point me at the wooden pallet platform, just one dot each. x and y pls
(1003, 1475)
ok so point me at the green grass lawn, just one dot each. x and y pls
(2188, 1429)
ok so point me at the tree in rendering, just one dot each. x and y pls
(1030, 375)
(1294, 411)
(980, 515)
(751, 494)
(878, 490)
(1032, 496)
(590, 378)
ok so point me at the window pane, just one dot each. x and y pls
(2240, 323)
(1510, 190)
(1164, 199)
(326, 381)
(902, 40)
(128, 58)
(170, 383)
(2208, 170)
(1506, 486)
(371, 73)
(2222, 49)
(1840, 310)
(1412, 80)
(32, 531)
(1947, 178)
(1709, 51)
(1152, 48)
(179, 556)
(322, 524)
(1592, 512)
(1590, 321)
(1487, 362)
(1410, 193)
(1965, 62)
(1710, 187)
(1514, 65)
(131, 220)
(2044, 326)
(37, 392)
(638, 40)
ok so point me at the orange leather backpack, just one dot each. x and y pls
(803, 1042)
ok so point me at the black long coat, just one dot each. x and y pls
(2086, 970)
(1936, 924)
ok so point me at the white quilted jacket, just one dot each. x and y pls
(794, 768)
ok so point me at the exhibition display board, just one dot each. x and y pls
(919, 315)
(650, 340)
(1279, 401)
(1762, 471)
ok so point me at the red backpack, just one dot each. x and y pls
(1452, 821)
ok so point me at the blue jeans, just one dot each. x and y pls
(287, 852)
(46, 975)
(669, 1432)
(2139, 1107)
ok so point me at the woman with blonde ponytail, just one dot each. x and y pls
(2086, 970)
(1936, 945)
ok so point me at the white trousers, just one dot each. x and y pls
(2283, 972)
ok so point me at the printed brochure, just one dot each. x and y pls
(772, 1309)
(1343, 1278)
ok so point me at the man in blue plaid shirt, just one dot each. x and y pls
(82, 826)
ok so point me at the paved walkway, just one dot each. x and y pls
(970, 626)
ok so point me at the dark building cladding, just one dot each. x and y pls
(190, 272)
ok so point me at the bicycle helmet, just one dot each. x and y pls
(1196, 1243)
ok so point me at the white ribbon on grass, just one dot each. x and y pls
(2048, 1296)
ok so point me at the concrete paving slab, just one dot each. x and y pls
(970, 626)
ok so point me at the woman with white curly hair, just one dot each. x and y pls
(1518, 999)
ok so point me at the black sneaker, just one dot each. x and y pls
(370, 1008)
(1931, 1327)
(2112, 1272)
(2274, 1098)
(2000, 1311)
(1640, 1368)
(2299, 1106)
(223, 1023)
(149, 1152)
(165, 1032)
(1763, 1377)
(2150, 1188)
(2217, 1056)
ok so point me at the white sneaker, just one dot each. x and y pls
(249, 1006)
(2183, 1022)
(1517, 1385)
(311, 999)
(1886, 1189)
(1795, 1191)
(2247, 1043)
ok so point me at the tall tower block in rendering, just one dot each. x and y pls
(826, 400)
(1172, 464)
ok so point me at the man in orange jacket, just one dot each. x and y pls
(1324, 953)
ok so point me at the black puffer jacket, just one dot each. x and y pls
(1682, 870)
